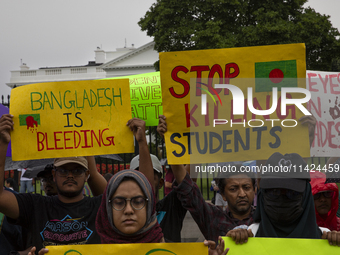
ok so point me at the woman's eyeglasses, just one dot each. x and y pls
(326, 194)
(137, 203)
(275, 193)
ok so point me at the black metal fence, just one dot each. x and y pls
(4, 101)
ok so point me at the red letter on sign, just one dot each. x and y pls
(185, 84)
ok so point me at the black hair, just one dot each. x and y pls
(49, 167)
(222, 177)
(12, 184)
(107, 176)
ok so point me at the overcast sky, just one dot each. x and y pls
(66, 32)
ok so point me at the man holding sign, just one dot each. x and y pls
(69, 217)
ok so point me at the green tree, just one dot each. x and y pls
(210, 24)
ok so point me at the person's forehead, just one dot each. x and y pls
(128, 188)
(70, 166)
(239, 179)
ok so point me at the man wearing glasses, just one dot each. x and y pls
(69, 217)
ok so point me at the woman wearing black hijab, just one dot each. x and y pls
(285, 206)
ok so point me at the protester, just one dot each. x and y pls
(218, 199)
(120, 221)
(326, 201)
(237, 189)
(285, 205)
(46, 178)
(169, 179)
(11, 184)
(333, 174)
(10, 235)
(43, 216)
(170, 212)
(26, 184)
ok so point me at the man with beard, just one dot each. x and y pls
(237, 188)
(69, 217)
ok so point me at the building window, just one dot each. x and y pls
(28, 73)
(53, 72)
(78, 70)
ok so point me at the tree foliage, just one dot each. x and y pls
(210, 24)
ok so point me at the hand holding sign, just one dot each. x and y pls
(6, 125)
(333, 237)
(240, 235)
(216, 249)
(137, 126)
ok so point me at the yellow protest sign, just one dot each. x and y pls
(133, 248)
(74, 118)
(280, 246)
(208, 122)
(146, 96)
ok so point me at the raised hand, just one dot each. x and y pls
(6, 126)
(161, 128)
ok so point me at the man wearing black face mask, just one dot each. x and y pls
(285, 206)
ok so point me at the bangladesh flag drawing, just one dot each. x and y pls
(275, 74)
(30, 120)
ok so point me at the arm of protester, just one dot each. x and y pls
(137, 126)
(190, 168)
(41, 252)
(8, 203)
(206, 215)
(309, 120)
(332, 236)
(179, 172)
(96, 181)
(240, 235)
(216, 250)
(161, 128)
(168, 184)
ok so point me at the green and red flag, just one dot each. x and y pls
(29, 120)
(275, 74)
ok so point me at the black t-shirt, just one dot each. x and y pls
(52, 222)
(170, 215)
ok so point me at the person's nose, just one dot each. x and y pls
(69, 174)
(128, 208)
(242, 193)
(322, 197)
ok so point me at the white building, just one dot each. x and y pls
(123, 61)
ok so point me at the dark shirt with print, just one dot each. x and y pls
(52, 222)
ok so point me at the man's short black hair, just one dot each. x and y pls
(223, 176)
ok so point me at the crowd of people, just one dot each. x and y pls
(125, 207)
